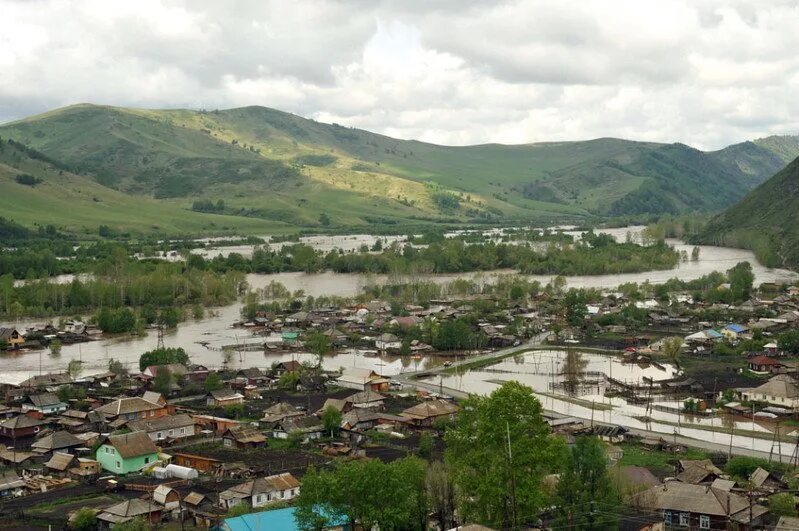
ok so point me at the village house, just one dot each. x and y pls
(283, 367)
(700, 506)
(52, 380)
(169, 427)
(780, 390)
(129, 452)
(386, 342)
(362, 380)
(166, 496)
(367, 400)
(310, 427)
(59, 441)
(21, 427)
(11, 337)
(223, 398)
(197, 462)
(277, 413)
(45, 403)
(261, 491)
(128, 510)
(218, 425)
(243, 436)
(60, 463)
(11, 485)
(427, 412)
(133, 408)
(734, 332)
(763, 364)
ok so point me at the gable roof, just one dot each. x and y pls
(44, 400)
(60, 461)
(44, 380)
(763, 360)
(365, 397)
(685, 497)
(168, 422)
(132, 444)
(56, 441)
(127, 405)
(284, 481)
(245, 434)
(430, 408)
(225, 394)
(782, 385)
(279, 411)
(20, 422)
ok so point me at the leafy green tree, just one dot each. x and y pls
(213, 382)
(789, 341)
(425, 445)
(586, 497)
(162, 383)
(782, 504)
(331, 420)
(370, 493)
(441, 494)
(117, 367)
(455, 334)
(74, 367)
(55, 347)
(163, 356)
(741, 279)
(318, 343)
(575, 307)
(84, 520)
(235, 411)
(288, 381)
(239, 509)
(499, 452)
(742, 466)
(672, 349)
(170, 317)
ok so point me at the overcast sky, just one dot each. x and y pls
(707, 73)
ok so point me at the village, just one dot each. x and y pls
(178, 444)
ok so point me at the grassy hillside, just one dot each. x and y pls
(270, 165)
(78, 204)
(766, 221)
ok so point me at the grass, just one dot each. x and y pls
(635, 455)
(287, 170)
(66, 505)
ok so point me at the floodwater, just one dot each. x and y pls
(216, 328)
(579, 378)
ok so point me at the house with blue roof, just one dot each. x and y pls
(733, 332)
(274, 520)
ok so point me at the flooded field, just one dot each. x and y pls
(571, 382)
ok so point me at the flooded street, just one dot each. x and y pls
(580, 379)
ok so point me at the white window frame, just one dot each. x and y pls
(685, 519)
(704, 521)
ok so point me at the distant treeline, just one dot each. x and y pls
(594, 255)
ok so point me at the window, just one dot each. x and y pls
(704, 521)
(119, 465)
(182, 431)
(146, 460)
(171, 433)
(160, 435)
(685, 519)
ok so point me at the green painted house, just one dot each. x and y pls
(129, 452)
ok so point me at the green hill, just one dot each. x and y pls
(270, 165)
(766, 221)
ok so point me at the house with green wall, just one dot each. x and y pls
(128, 452)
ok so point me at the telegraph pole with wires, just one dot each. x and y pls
(512, 480)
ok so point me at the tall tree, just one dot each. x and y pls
(586, 498)
(498, 453)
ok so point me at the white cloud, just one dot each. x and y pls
(705, 73)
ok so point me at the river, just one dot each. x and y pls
(216, 327)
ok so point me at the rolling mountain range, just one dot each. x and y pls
(275, 171)
(766, 221)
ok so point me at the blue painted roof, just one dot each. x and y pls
(735, 328)
(274, 520)
(712, 334)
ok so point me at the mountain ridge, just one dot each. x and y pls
(281, 167)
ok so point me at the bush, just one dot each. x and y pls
(27, 179)
(163, 356)
(743, 466)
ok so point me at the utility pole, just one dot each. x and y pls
(512, 479)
